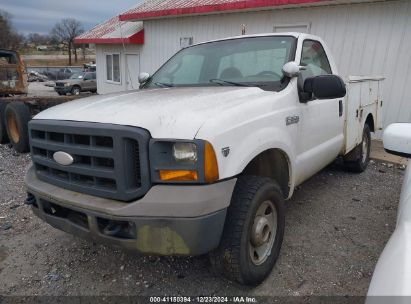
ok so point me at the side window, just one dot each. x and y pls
(315, 60)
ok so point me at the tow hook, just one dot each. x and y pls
(112, 229)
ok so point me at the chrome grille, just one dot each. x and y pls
(109, 160)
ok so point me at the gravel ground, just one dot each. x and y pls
(337, 225)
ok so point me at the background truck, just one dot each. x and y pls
(16, 109)
(202, 158)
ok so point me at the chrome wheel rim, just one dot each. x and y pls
(263, 233)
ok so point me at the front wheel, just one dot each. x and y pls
(75, 90)
(359, 158)
(253, 231)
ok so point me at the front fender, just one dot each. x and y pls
(254, 144)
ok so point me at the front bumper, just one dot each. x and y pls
(64, 90)
(168, 220)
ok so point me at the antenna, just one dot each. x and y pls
(129, 80)
(243, 29)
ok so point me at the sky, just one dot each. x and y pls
(39, 16)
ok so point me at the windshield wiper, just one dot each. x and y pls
(164, 85)
(223, 82)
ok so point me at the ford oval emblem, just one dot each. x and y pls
(63, 158)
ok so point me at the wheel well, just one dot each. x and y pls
(272, 163)
(370, 122)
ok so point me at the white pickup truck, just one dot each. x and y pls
(202, 157)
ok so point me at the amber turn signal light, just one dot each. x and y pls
(178, 175)
(210, 164)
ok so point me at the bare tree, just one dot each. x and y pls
(65, 31)
(9, 38)
(38, 39)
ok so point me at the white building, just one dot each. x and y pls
(367, 37)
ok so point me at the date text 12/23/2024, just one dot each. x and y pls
(203, 299)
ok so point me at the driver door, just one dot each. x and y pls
(321, 124)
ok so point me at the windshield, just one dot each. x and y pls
(255, 61)
(77, 76)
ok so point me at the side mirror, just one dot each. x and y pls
(143, 77)
(291, 69)
(397, 139)
(325, 86)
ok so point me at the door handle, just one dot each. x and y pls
(340, 108)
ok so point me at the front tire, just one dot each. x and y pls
(359, 158)
(75, 90)
(253, 231)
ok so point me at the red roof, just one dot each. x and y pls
(113, 31)
(153, 9)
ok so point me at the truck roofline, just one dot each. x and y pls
(292, 34)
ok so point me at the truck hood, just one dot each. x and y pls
(165, 112)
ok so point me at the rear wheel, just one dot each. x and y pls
(17, 118)
(358, 159)
(253, 232)
(3, 131)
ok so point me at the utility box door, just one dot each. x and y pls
(363, 99)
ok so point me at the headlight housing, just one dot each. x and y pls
(67, 84)
(177, 161)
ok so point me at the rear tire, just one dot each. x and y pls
(253, 231)
(358, 159)
(17, 118)
(4, 139)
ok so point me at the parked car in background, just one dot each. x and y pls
(34, 76)
(392, 275)
(63, 73)
(77, 83)
(89, 67)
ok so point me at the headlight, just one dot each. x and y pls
(185, 152)
(183, 161)
(67, 84)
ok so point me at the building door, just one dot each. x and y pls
(132, 71)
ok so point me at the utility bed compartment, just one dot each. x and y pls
(364, 97)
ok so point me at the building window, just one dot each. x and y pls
(113, 67)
